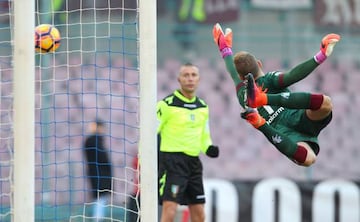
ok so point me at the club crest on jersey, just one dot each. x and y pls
(276, 139)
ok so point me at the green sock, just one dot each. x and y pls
(297, 100)
(279, 140)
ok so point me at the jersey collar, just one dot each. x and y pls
(178, 94)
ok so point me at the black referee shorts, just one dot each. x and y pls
(180, 179)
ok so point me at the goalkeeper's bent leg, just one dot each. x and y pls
(300, 153)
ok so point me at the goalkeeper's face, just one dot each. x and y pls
(189, 79)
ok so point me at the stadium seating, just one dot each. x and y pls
(245, 153)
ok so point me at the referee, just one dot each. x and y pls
(183, 133)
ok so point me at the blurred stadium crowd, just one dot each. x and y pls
(76, 92)
(246, 154)
(281, 35)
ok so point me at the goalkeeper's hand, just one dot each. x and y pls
(253, 117)
(326, 47)
(223, 41)
(212, 151)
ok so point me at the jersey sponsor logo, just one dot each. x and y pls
(275, 114)
(192, 117)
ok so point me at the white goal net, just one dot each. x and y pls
(94, 76)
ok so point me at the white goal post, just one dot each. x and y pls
(23, 188)
(148, 123)
(24, 112)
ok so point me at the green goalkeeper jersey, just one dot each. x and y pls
(184, 124)
(269, 82)
(273, 83)
(290, 122)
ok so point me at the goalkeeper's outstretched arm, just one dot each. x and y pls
(224, 43)
(304, 69)
(297, 73)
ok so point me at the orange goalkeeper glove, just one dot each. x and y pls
(223, 41)
(253, 117)
(326, 47)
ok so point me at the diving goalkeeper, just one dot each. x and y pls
(291, 121)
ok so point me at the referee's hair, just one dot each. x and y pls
(188, 64)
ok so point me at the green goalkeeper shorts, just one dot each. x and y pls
(299, 128)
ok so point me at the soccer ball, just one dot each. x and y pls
(47, 38)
